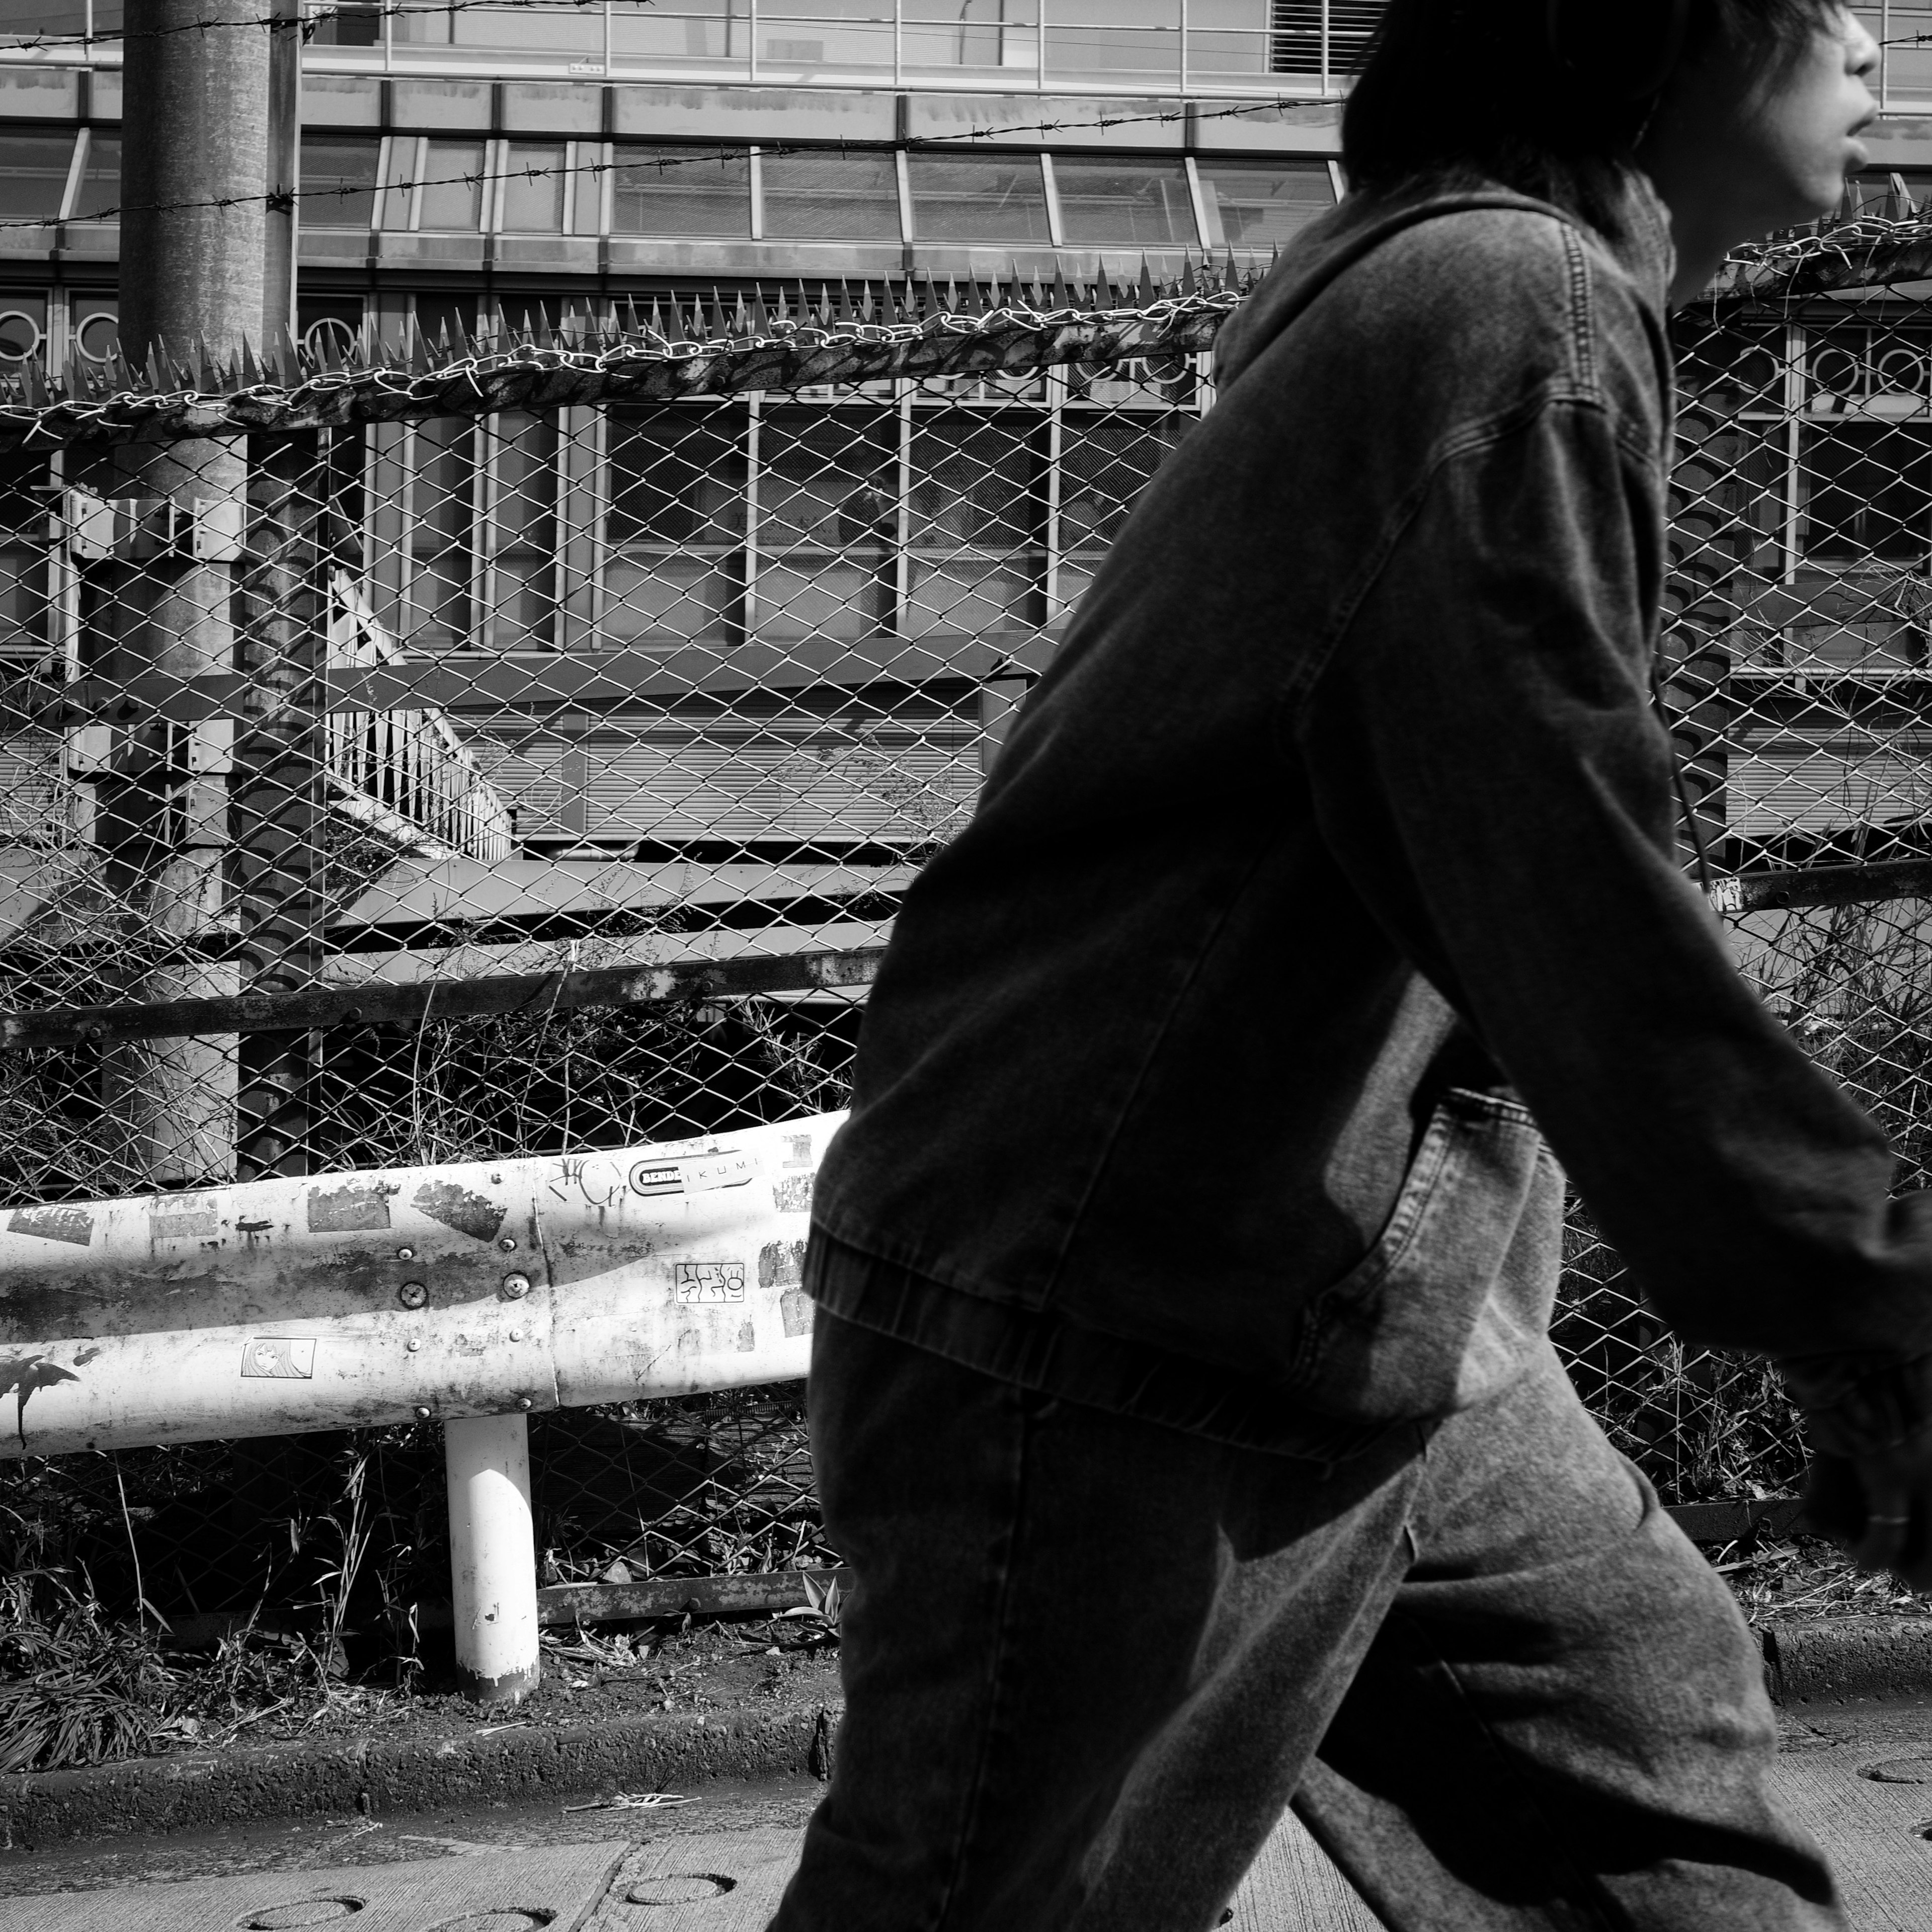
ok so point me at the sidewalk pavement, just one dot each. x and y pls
(1857, 1775)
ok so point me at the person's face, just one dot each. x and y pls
(1736, 153)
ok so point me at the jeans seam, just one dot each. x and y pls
(1000, 1653)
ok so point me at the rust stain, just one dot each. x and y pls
(454, 1206)
(74, 1224)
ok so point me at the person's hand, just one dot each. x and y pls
(1877, 1506)
(1869, 1488)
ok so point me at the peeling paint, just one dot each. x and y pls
(342, 1211)
(748, 1338)
(781, 1264)
(68, 1223)
(456, 1207)
(173, 1217)
(791, 1193)
(795, 1310)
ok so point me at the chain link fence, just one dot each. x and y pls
(360, 715)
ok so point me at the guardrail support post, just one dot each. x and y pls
(493, 1556)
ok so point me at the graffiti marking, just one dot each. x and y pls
(710, 1281)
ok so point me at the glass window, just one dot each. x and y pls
(681, 191)
(988, 198)
(23, 324)
(101, 183)
(349, 23)
(1262, 204)
(338, 183)
(676, 522)
(533, 183)
(33, 174)
(452, 185)
(831, 197)
(442, 515)
(828, 523)
(1866, 491)
(27, 18)
(1112, 204)
(400, 174)
(677, 478)
(1107, 461)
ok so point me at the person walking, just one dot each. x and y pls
(1181, 1395)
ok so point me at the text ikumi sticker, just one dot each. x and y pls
(710, 1281)
(284, 1358)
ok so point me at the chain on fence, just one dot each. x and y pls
(533, 645)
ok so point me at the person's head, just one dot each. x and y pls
(1752, 103)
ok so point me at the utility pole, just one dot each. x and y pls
(280, 759)
(193, 233)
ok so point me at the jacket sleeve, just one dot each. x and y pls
(1489, 771)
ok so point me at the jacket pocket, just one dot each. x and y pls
(1453, 1298)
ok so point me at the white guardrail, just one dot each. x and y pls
(474, 1294)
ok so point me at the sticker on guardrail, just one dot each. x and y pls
(53, 1224)
(174, 1217)
(281, 1358)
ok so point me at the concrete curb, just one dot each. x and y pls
(1836, 1658)
(1823, 1659)
(652, 1751)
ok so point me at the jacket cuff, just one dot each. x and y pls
(1853, 1404)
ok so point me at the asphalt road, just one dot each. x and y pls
(1861, 1775)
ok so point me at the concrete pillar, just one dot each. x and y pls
(195, 131)
(493, 1556)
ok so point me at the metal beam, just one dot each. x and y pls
(603, 683)
(677, 981)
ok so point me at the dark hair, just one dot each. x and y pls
(1484, 89)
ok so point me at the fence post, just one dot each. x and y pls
(493, 1556)
(278, 804)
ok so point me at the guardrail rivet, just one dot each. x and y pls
(422, 1411)
(508, 1244)
(406, 1254)
(524, 1402)
(516, 1286)
(516, 1334)
(413, 1294)
(414, 1344)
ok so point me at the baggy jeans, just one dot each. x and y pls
(1088, 1660)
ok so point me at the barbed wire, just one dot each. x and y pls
(282, 202)
(911, 329)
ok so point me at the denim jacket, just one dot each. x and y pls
(1329, 874)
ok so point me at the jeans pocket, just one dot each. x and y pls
(1454, 1297)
